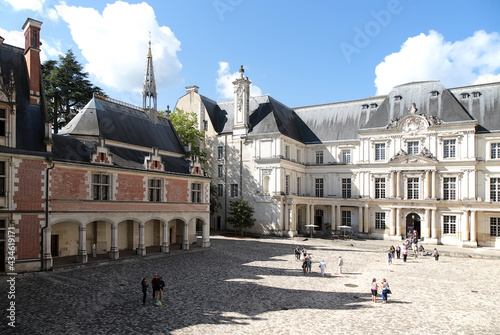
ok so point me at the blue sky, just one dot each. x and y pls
(300, 52)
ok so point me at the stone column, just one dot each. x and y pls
(308, 216)
(82, 245)
(465, 230)
(334, 218)
(141, 249)
(392, 227)
(286, 220)
(185, 238)
(205, 235)
(427, 187)
(426, 229)
(398, 223)
(338, 213)
(473, 227)
(47, 246)
(433, 184)
(366, 219)
(312, 214)
(360, 219)
(165, 238)
(293, 220)
(434, 231)
(393, 184)
(398, 185)
(113, 252)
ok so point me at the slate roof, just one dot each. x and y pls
(341, 121)
(123, 123)
(30, 118)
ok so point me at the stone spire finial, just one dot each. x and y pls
(149, 95)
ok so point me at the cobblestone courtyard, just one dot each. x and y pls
(254, 286)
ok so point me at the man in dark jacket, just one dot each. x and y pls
(154, 285)
(159, 290)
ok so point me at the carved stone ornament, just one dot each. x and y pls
(266, 172)
(414, 122)
(400, 154)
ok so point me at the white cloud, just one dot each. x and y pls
(16, 38)
(34, 5)
(115, 44)
(224, 82)
(473, 60)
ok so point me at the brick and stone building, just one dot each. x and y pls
(423, 157)
(116, 178)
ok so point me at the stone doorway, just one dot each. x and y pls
(412, 223)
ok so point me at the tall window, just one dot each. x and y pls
(346, 156)
(100, 186)
(346, 218)
(495, 227)
(495, 150)
(319, 187)
(380, 220)
(220, 152)
(449, 188)
(234, 190)
(2, 179)
(287, 151)
(2, 122)
(220, 190)
(299, 189)
(299, 156)
(412, 147)
(196, 192)
(287, 184)
(449, 224)
(495, 189)
(265, 184)
(154, 190)
(379, 188)
(449, 148)
(346, 188)
(3, 227)
(412, 188)
(220, 171)
(379, 151)
(319, 157)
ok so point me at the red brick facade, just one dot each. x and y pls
(130, 187)
(29, 242)
(29, 194)
(68, 184)
(177, 190)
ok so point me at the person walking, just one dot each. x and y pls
(398, 251)
(404, 249)
(374, 289)
(415, 251)
(304, 266)
(436, 254)
(308, 263)
(154, 286)
(322, 266)
(340, 264)
(385, 290)
(160, 284)
(297, 253)
(392, 250)
(389, 257)
(144, 285)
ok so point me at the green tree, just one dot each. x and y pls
(240, 214)
(214, 199)
(67, 89)
(186, 125)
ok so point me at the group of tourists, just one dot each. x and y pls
(306, 259)
(385, 290)
(411, 243)
(158, 284)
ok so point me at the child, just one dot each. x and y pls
(322, 266)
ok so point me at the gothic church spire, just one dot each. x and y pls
(149, 89)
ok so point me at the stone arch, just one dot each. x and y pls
(128, 234)
(64, 237)
(98, 232)
(153, 233)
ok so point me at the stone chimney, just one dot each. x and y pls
(241, 104)
(192, 88)
(32, 54)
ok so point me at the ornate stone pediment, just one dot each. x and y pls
(424, 156)
(413, 123)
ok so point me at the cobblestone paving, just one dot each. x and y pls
(254, 286)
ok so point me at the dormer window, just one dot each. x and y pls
(476, 94)
(465, 95)
(364, 106)
(2, 122)
(434, 93)
(373, 105)
(398, 98)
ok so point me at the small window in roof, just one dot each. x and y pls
(364, 106)
(476, 94)
(464, 95)
(434, 93)
(397, 98)
(374, 105)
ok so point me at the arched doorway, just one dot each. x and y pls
(412, 223)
